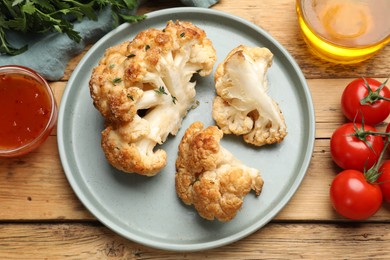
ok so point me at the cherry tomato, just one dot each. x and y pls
(350, 152)
(373, 112)
(384, 180)
(353, 197)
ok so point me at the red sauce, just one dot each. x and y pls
(25, 110)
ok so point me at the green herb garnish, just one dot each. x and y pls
(161, 90)
(56, 16)
(116, 81)
(174, 99)
(195, 105)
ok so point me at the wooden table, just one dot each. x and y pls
(41, 217)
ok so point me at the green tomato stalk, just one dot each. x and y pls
(373, 173)
(373, 96)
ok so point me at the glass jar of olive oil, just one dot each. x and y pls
(344, 31)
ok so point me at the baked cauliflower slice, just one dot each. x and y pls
(209, 177)
(143, 89)
(243, 106)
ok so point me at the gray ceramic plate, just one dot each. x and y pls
(147, 210)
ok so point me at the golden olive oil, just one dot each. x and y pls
(344, 31)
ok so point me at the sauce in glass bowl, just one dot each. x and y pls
(28, 110)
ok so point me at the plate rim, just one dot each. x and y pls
(205, 245)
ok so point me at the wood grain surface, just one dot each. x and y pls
(41, 217)
(275, 241)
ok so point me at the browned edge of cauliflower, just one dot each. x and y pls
(143, 89)
(242, 105)
(209, 177)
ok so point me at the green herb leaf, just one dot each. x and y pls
(41, 16)
(116, 81)
(5, 47)
(28, 8)
(161, 91)
(130, 4)
(195, 105)
(174, 99)
(131, 18)
(16, 2)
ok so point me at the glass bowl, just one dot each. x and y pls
(344, 31)
(29, 110)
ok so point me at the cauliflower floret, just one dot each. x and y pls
(243, 106)
(210, 177)
(143, 89)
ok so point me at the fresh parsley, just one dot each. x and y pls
(116, 81)
(174, 99)
(195, 105)
(40, 16)
(161, 91)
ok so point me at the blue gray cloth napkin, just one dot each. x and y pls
(49, 54)
(200, 3)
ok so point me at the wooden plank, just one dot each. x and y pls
(29, 179)
(281, 23)
(41, 217)
(34, 187)
(313, 193)
(326, 95)
(279, 241)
